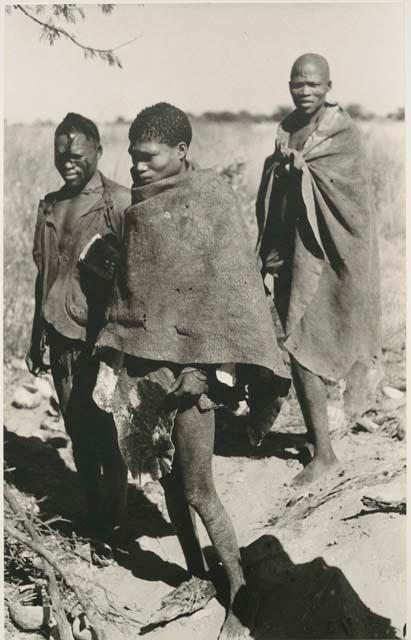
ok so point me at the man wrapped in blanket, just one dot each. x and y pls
(188, 298)
(317, 237)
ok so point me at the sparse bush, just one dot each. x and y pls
(281, 112)
(397, 115)
(358, 112)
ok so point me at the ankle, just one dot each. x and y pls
(238, 588)
(326, 456)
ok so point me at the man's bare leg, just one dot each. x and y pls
(194, 440)
(266, 397)
(311, 394)
(182, 517)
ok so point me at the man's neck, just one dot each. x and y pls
(93, 184)
(306, 119)
(184, 167)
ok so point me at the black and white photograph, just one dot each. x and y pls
(204, 320)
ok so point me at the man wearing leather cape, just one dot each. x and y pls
(317, 236)
(188, 300)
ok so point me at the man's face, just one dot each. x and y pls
(154, 161)
(309, 86)
(76, 158)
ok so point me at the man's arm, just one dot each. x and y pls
(34, 357)
(288, 164)
(35, 354)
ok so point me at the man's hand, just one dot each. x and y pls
(273, 263)
(34, 361)
(190, 384)
(289, 156)
(278, 151)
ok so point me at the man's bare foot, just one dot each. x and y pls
(233, 628)
(241, 616)
(316, 470)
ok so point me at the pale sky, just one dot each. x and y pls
(204, 57)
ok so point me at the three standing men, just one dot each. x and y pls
(317, 236)
(188, 299)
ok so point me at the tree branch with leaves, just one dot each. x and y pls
(71, 13)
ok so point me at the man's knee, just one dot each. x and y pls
(305, 376)
(203, 499)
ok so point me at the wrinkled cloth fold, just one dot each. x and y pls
(188, 287)
(187, 292)
(328, 292)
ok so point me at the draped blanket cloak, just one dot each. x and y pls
(332, 316)
(189, 290)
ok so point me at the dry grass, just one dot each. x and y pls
(29, 174)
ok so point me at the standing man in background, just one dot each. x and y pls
(69, 309)
(317, 237)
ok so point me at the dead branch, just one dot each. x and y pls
(388, 506)
(92, 610)
(42, 551)
(188, 597)
(301, 506)
(97, 615)
(58, 607)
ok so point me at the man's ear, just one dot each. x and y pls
(182, 150)
(329, 85)
(99, 151)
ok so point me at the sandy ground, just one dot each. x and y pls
(325, 566)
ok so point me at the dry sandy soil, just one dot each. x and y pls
(325, 565)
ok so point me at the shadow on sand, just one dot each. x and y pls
(231, 439)
(147, 565)
(39, 471)
(310, 600)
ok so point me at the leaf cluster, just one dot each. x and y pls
(71, 14)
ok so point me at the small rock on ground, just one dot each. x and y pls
(26, 397)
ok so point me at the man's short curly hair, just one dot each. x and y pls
(76, 122)
(161, 122)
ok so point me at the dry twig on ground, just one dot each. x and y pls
(35, 544)
(388, 506)
(58, 608)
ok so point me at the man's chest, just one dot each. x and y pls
(71, 216)
(299, 137)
